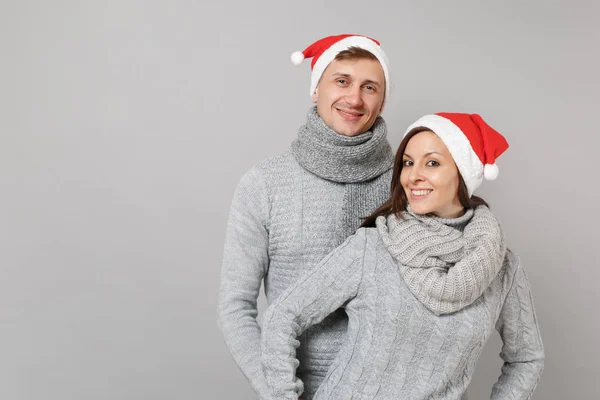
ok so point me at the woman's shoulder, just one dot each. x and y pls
(511, 269)
(362, 241)
(373, 244)
(369, 235)
(512, 261)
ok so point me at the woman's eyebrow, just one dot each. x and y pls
(426, 154)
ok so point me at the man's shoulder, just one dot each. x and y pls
(277, 163)
(271, 170)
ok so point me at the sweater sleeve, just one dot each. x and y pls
(522, 350)
(245, 262)
(307, 302)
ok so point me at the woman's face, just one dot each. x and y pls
(429, 177)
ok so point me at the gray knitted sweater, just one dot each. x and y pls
(396, 347)
(284, 218)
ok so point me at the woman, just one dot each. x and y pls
(424, 283)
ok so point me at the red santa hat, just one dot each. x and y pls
(324, 51)
(474, 144)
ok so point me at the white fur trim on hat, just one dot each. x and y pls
(468, 163)
(358, 41)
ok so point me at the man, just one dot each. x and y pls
(291, 210)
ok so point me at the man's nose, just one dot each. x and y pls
(353, 97)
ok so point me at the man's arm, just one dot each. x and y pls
(307, 302)
(245, 262)
(522, 351)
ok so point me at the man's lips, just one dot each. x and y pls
(349, 114)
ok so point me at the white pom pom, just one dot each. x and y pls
(297, 57)
(490, 172)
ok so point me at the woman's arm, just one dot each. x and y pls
(522, 351)
(307, 302)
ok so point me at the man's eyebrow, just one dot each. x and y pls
(346, 75)
(371, 82)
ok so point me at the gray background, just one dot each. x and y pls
(125, 126)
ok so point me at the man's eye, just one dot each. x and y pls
(370, 88)
(342, 81)
(432, 163)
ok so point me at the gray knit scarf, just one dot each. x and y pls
(339, 158)
(446, 263)
(358, 161)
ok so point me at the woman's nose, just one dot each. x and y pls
(415, 174)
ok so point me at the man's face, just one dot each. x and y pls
(350, 95)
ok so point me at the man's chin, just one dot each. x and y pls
(348, 131)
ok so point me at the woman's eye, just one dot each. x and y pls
(432, 163)
(407, 163)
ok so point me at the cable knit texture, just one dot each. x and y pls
(444, 263)
(283, 220)
(396, 348)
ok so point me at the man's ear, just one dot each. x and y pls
(315, 95)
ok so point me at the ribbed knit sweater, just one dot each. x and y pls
(396, 348)
(284, 219)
